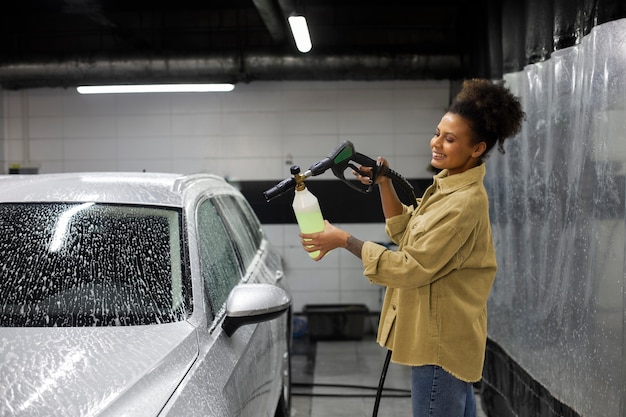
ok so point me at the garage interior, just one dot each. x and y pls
(379, 74)
(74, 42)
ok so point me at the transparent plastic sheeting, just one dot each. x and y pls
(557, 207)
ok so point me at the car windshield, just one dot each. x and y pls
(77, 265)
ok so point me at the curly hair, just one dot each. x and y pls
(493, 112)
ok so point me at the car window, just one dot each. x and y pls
(76, 265)
(244, 226)
(218, 262)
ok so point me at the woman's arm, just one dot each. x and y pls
(392, 206)
(355, 246)
(389, 198)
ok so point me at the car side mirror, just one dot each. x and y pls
(254, 303)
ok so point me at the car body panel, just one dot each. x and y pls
(82, 371)
(114, 187)
(246, 393)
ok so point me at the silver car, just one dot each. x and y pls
(138, 295)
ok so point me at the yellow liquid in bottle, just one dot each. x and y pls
(311, 222)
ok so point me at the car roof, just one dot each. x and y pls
(146, 188)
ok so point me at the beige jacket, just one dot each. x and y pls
(438, 281)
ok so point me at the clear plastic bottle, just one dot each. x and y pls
(308, 213)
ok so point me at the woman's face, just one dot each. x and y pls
(452, 147)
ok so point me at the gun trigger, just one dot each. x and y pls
(372, 174)
(354, 168)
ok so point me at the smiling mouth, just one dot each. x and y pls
(437, 155)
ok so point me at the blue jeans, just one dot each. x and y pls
(436, 393)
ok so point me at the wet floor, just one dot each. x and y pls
(340, 379)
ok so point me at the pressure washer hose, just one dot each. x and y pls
(397, 179)
(383, 375)
(406, 186)
(401, 182)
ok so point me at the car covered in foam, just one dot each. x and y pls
(139, 294)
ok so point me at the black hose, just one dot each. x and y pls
(406, 186)
(397, 179)
(383, 375)
(401, 182)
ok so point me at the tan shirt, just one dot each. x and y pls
(438, 281)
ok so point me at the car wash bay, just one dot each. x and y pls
(557, 197)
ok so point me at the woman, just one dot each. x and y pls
(434, 316)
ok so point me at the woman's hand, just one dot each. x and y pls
(365, 176)
(328, 239)
(392, 206)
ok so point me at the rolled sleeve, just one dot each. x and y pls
(370, 255)
(395, 226)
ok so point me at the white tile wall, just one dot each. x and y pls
(244, 135)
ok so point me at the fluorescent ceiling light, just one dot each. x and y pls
(300, 32)
(154, 88)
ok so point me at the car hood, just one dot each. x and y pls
(100, 371)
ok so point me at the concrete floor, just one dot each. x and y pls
(339, 379)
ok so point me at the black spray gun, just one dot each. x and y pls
(342, 158)
(305, 204)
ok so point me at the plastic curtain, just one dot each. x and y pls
(531, 30)
(557, 203)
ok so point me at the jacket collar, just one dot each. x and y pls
(451, 183)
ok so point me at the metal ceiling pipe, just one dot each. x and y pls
(353, 67)
(228, 68)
